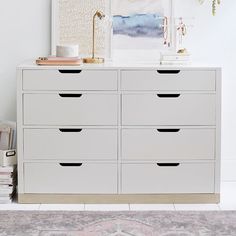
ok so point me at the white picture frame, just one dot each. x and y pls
(110, 54)
(152, 55)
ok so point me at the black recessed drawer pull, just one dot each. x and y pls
(70, 71)
(168, 95)
(70, 95)
(71, 164)
(168, 130)
(70, 130)
(10, 153)
(168, 71)
(168, 164)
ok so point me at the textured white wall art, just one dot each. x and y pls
(72, 24)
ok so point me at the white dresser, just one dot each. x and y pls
(118, 134)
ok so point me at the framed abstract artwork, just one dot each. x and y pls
(141, 29)
(139, 23)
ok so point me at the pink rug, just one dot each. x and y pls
(168, 223)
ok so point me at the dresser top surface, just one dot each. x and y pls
(106, 66)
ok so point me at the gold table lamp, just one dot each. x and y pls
(93, 59)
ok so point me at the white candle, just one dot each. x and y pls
(67, 50)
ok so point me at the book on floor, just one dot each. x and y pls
(6, 189)
(7, 135)
(7, 169)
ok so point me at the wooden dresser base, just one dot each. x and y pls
(119, 199)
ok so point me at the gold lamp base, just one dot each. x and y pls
(95, 60)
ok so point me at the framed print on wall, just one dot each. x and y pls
(141, 29)
(134, 30)
(72, 23)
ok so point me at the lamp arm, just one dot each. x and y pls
(93, 52)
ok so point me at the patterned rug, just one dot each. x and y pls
(168, 223)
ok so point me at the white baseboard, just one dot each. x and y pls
(228, 170)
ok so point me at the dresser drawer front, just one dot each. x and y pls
(186, 109)
(183, 80)
(86, 179)
(168, 144)
(70, 79)
(52, 109)
(70, 144)
(151, 178)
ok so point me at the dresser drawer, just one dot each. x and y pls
(66, 178)
(70, 79)
(77, 144)
(179, 178)
(169, 144)
(70, 109)
(183, 80)
(169, 109)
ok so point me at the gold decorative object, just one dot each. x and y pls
(93, 59)
(181, 31)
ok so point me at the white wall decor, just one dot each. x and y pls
(72, 24)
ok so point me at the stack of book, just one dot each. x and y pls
(7, 184)
(175, 59)
(59, 61)
(7, 161)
